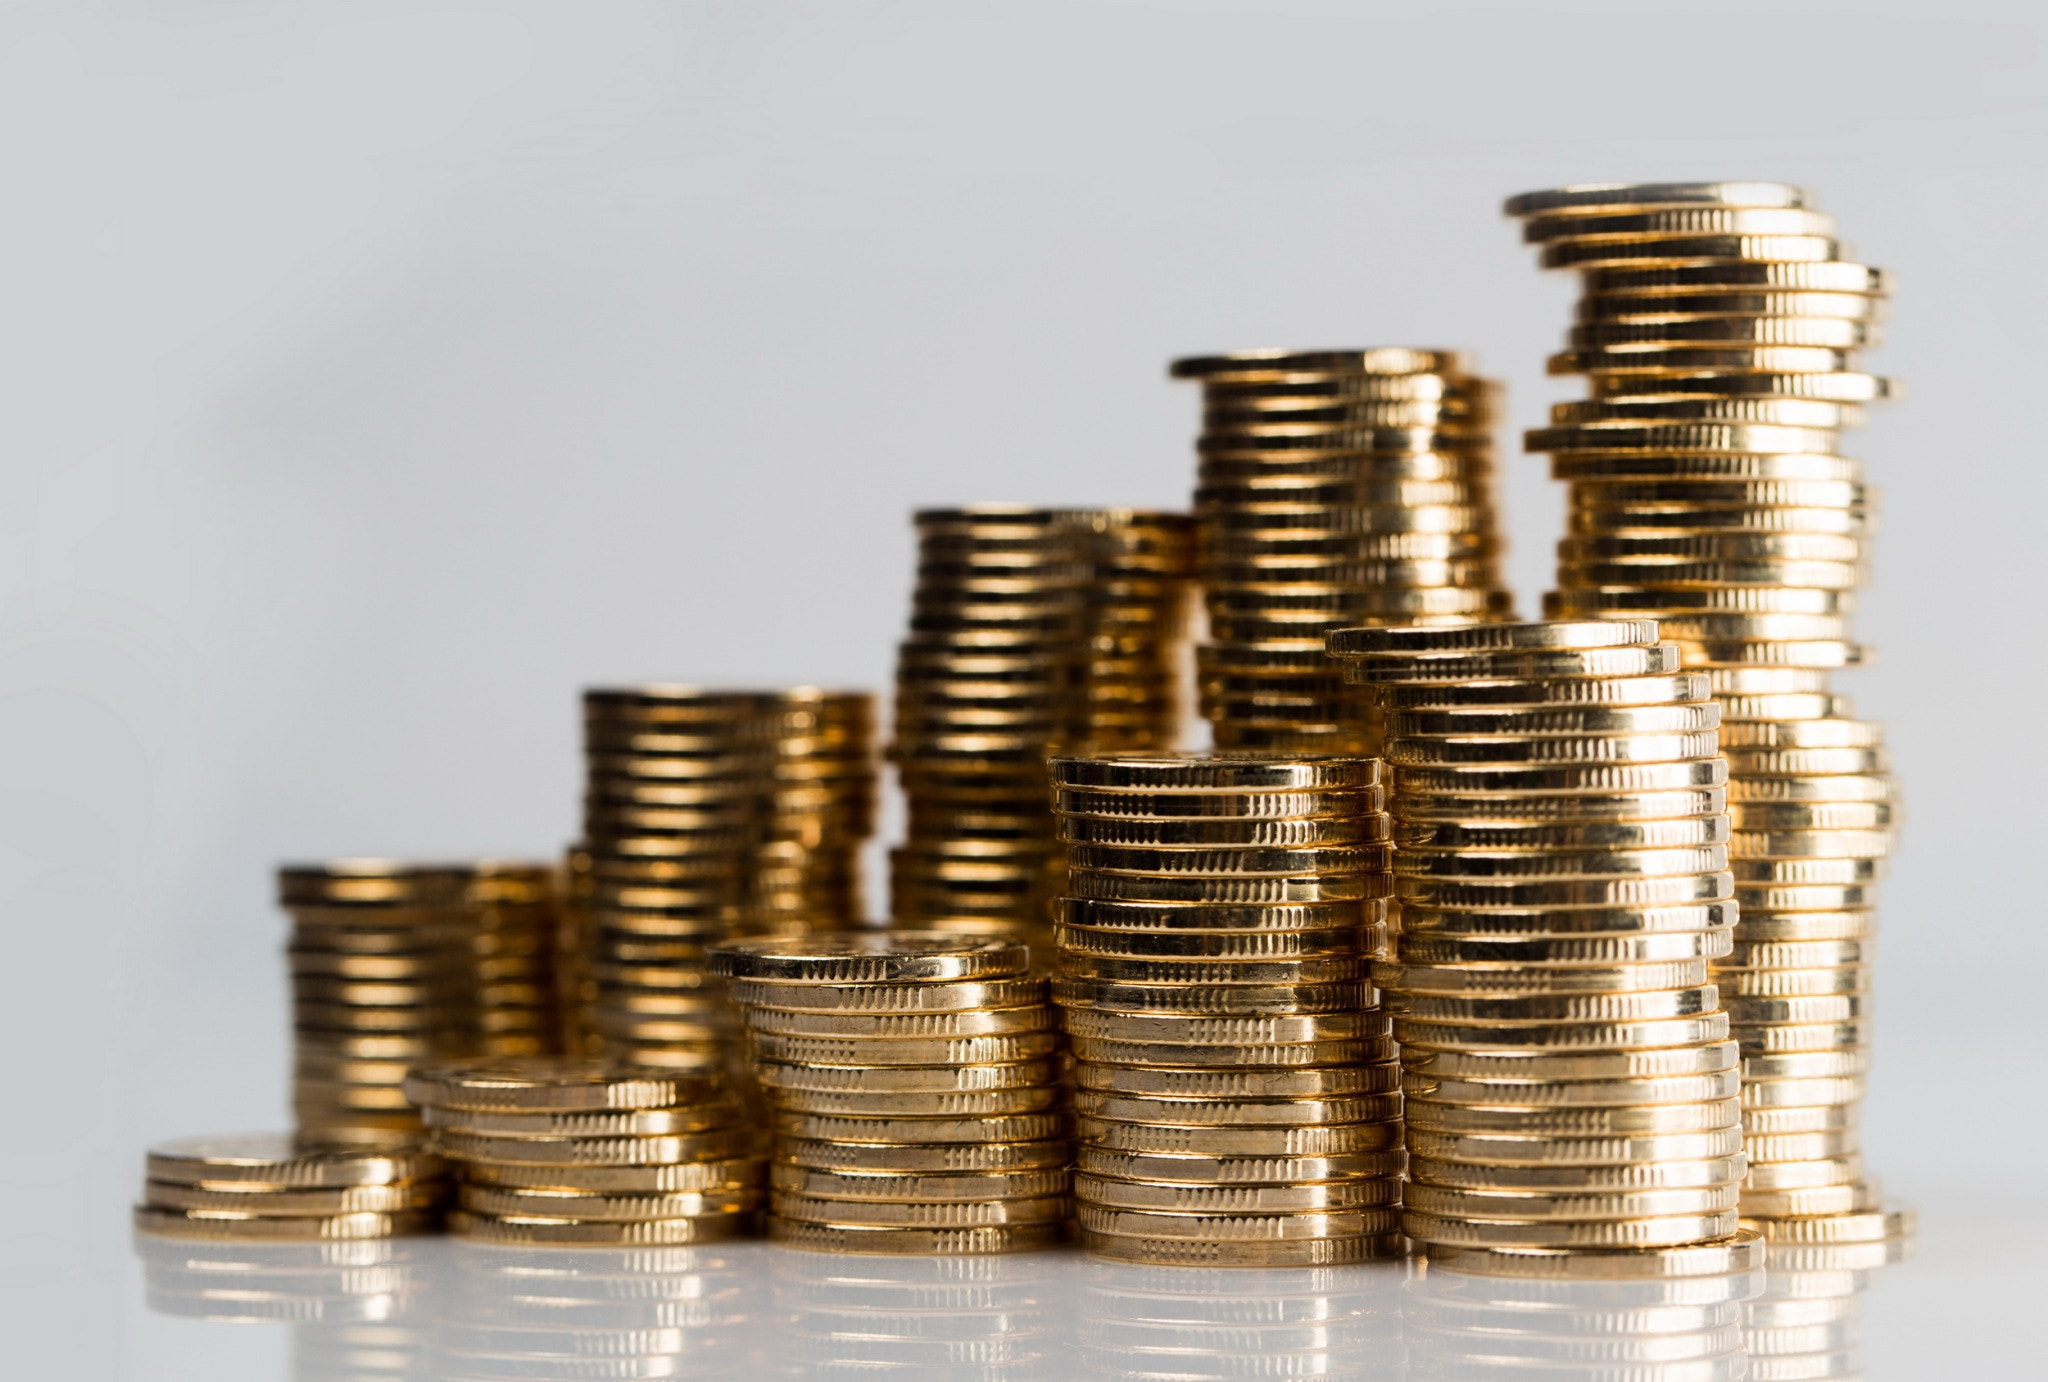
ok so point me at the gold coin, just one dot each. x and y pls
(697, 1177)
(1364, 1051)
(1677, 1230)
(1230, 1201)
(1562, 1037)
(1216, 808)
(271, 1201)
(1793, 1038)
(1047, 1154)
(1541, 952)
(1544, 1068)
(521, 1203)
(1260, 364)
(283, 1161)
(1200, 999)
(921, 1242)
(1556, 1007)
(904, 1026)
(888, 957)
(1417, 982)
(1218, 946)
(1152, 918)
(221, 1224)
(1591, 254)
(1229, 862)
(1740, 1252)
(1469, 640)
(1220, 1083)
(1545, 1207)
(1158, 1139)
(1771, 1177)
(889, 998)
(962, 1104)
(1095, 1104)
(1306, 1252)
(1502, 1150)
(1226, 832)
(782, 1076)
(1428, 1116)
(1425, 835)
(1866, 1227)
(947, 1214)
(1807, 1065)
(1594, 779)
(1725, 302)
(1801, 1146)
(1186, 773)
(1237, 1171)
(1689, 1173)
(873, 1051)
(1854, 1197)
(1593, 198)
(1200, 1030)
(1583, 1094)
(913, 1188)
(1240, 891)
(722, 1145)
(1315, 969)
(1514, 893)
(884, 1127)
(600, 1123)
(542, 1230)
(1237, 1228)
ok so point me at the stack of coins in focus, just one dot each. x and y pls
(1220, 1324)
(992, 1319)
(1235, 1084)
(277, 1187)
(559, 1151)
(1719, 325)
(1031, 631)
(914, 1079)
(1561, 869)
(707, 814)
(1336, 488)
(394, 963)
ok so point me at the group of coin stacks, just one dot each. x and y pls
(707, 814)
(914, 1079)
(1561, 870)
(1336, 488)
(1234, 1080)
(281, 1188)
(394, 963)
(1031, 631)
(1719, 325)
(568, 1150)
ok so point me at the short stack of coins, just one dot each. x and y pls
(1719, 326)
(1561, 870)
(274, 1187)
(566, 1151)
(1336, 488)
(393, 963)
(707, 814)
(1031, 630)
(914, 1083)
(1235, 1084)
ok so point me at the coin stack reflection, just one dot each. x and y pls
(1808, 1323)
(393, 963)
(571, 1151)
(914, 1082)
(1139, 1322)
(1336, 488)
(707, 814)
(271, 1187)
(1561, 868)
(1719, 325)
(988, 1318)
(1234, 1081)
(1031, 630)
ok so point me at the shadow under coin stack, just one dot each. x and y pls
(1031, 631)
(565, 1151)
(914, 1082)
(394, 963)
(1336, 488)
(707, 814)
(272, 1187)
(1561, 873)
(1719, 327)
(1236, 1087)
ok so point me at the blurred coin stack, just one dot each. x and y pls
(1031, 631)
(988, 1318)
(1808, 1322)
(707, 814)
(1719, 325)
(1221, 1325)
(1336, 488)
(393, 963)
(914, 1082)
(1561, 865)
(565, 1151)
(258, 1187)
(1236, 1088)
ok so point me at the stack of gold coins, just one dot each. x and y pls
(1561, 865)
(989, 1318)
(1336, 487)
(1219, 1324)
(1234, 1080)
(274, 1186)
(914, 1079)
(1031, 630)
(1808, 1322)
(393, 963)
(564, 1150)
(707, 814)
(1719, 326)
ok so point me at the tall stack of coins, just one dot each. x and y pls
(1336, 488)
(1719, 326)
(1561, 865)
(572, 1151)
(270, 1187)
(1031, 630)
(707, 814)
(914, 1079)
(393, 963)
(1235, 1084)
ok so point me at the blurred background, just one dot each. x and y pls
(379, 374)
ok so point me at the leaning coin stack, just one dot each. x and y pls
(393, 963)
(1336, 488)
(1561, 865)
(707, 814)
(1719, 326)
(1030, 630)
(276, 1187)
(914, 1079)
(1235, 1083)
(552, 1151)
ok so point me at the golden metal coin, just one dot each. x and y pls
(541, 1230)
(1047, 1154)
(884, 1051)
(1675, 1089)
(1740, 1252)
(1853, 1197)
(887, 957)
(283, 1161)
(1313, 969)
(945, 1214)
(1219, 807)
(1225, 1083)
(271, 1201)
(781, 1076)
(1239, 891)
(1188, 773)
(1491, 1149)
(1547, 1207)
(220, 1224)
(920, 1242)
(1237, 1228)
(1677, 1230)
(723, 1145)
(937, 997)
(1232, 1200)
(919, 1188)
(1272, 1058)
(519, 1203)
(1557, 1007)
(1199, 999)
(1181, 1252)
(963, 1104)
(1151, 918)
(1428, 1116)
(1546, 1068)
(1692, 1173)
(643, 1122)
(1868, 1227)
(1228, 832)
(695, 1177)
(1163, 1139)
(1554, 981)
(888, 1128)
(1193, 1169)
(904, 1026)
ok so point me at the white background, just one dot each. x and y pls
(378, 374)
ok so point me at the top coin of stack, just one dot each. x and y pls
(271, 1186)
(1719, 325)
(1336, 488)
(575, 1151)
(1031, 630)
(393, 963)
(914, 1081)
(1561, 870)
(707, 814)
(1236, 1086)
